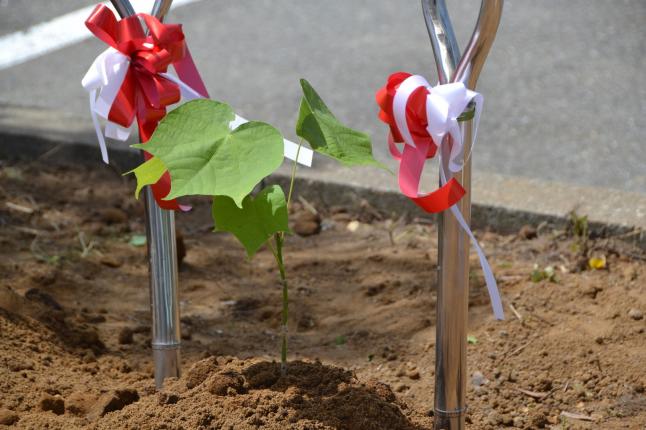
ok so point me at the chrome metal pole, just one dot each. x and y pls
(443, 41)
(162, 262)
(454, 246)
(164, 294)
(452, 294)
(161, 8)
(480, 44)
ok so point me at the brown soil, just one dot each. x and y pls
(75, 325)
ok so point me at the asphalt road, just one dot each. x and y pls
(564, 84)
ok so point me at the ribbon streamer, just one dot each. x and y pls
(424, 118)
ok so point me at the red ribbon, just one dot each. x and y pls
(411, 162)
(145, 93)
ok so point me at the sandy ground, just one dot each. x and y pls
(75, 324)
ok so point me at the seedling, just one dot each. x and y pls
(40, 255)
(578, 227)
(203, 156)
(546, 274)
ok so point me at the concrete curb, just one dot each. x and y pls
(500, 203)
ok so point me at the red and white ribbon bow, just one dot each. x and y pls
(104, 81)
(130, 80)
(420, 117)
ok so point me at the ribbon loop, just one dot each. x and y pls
(421, 116)
(129, 80)
(129, 76)
(424, 118)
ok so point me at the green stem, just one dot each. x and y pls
(279, 239)
(283, 280)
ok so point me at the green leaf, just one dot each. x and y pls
(472, 340)
(148, 173)
(137, 240)
(258, 219)
(326, 135)
(204, 157)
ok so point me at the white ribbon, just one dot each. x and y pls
(103, 80)
(444, 105)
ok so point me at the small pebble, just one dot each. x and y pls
(507, 420)
(527, 232)
(414, 374)
(55, 404)
(113, 216)
(478, 379)
(635, 314)
(110, 261)
(8, 418)
(167, 398)
(400, 388)
(125, 336)
(306, 223)
(353, 226)
(494, 418)
(113, 400)
(513, 376)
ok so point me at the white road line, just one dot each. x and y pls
(40, 39)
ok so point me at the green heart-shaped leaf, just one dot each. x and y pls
(204, 157)
(326, 135)
(259, 218)
(148, 173)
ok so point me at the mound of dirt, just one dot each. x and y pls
(57, 385)
(250, 394)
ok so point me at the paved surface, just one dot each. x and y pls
(17, 15)
(564, 84)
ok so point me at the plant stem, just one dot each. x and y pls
(283, 280)
(293, 176)
(279, 238)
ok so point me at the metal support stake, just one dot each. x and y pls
(162, 260)
(454, 245)
(164, 295)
